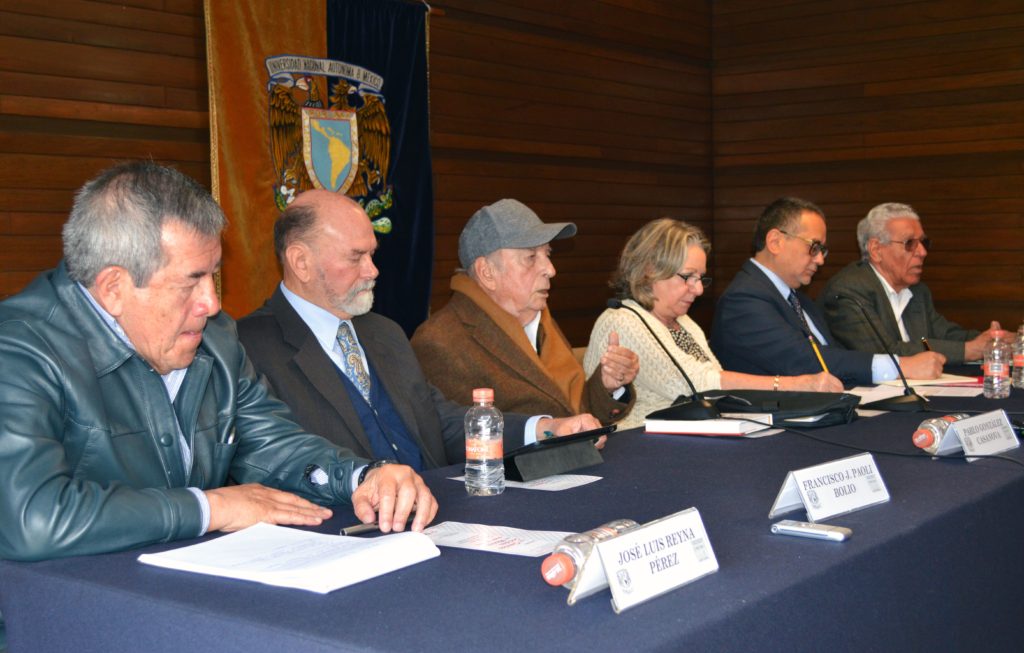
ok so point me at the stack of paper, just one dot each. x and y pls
(748, 423)
(287, 557)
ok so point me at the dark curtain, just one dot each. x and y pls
(389, 38)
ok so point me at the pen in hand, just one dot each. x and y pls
(362, 529)
(924, 342)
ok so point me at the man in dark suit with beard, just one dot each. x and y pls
(347, 373)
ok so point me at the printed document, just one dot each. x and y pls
(495, 539)
(288, 557)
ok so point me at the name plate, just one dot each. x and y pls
(986, 434)
(657, 557)
(832, 488)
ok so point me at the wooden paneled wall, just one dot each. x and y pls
(599, 112)
(592, 112)
(851, 103)
(84, 84)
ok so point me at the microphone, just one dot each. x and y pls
(694, 407)
(909, 401)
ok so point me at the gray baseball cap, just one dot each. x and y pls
(507, 224)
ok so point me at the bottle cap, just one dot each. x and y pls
(924, 438)
(483, 395)
(557, 569)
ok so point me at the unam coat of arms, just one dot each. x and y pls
(343, 147)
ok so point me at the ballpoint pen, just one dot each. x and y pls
(362, 529)
(924, 341)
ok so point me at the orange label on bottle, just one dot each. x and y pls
(480, 449)
(1018, 360)
(996, 369)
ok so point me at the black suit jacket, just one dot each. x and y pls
(283, 349)
(756, 331)
(858, 281)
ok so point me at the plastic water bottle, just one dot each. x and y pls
(1018, 359)
(485, 464)
(562, 567)
(931, 431)
(997, 369)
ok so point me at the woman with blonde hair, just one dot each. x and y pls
(662, 271)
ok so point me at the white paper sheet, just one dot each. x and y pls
(868, 394)
(945, 379)
(949, 391)
(288, 557)
(552, 483)
(494, 539)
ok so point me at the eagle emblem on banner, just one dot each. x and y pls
(343, 145)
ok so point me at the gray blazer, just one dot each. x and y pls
(858, 281)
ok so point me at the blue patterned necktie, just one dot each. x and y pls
(795, 303)
(352, 361)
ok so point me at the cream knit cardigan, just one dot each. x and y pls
(658, 383)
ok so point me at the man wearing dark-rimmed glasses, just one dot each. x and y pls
(887, 282)
(764, 324)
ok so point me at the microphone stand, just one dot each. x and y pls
(909, 401)
(694, 407)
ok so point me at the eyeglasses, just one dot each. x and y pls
(816, 246)
(692, 278)
(910, 244)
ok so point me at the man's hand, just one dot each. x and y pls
(389, 494)
(570, 425)
(820, 382)
(619, 365)
(240, 506)
(926, 365)
(975, 349)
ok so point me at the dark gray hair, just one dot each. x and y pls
(296, 222)
(782, 214)
(874, 224)
(118, 218)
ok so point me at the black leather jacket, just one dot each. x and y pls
(89, 454)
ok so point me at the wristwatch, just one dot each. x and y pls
(374, 465)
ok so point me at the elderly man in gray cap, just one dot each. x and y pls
(347, 373)
(497, 332)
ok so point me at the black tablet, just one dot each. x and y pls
(561, 441)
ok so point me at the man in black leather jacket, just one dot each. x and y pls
(127, 403)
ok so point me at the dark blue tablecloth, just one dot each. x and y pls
(934, 569)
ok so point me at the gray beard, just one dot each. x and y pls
(352, 303)
(355, 302)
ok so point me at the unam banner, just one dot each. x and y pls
(331, 96)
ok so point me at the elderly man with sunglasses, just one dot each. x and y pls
(764, 324)
(886, 281)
